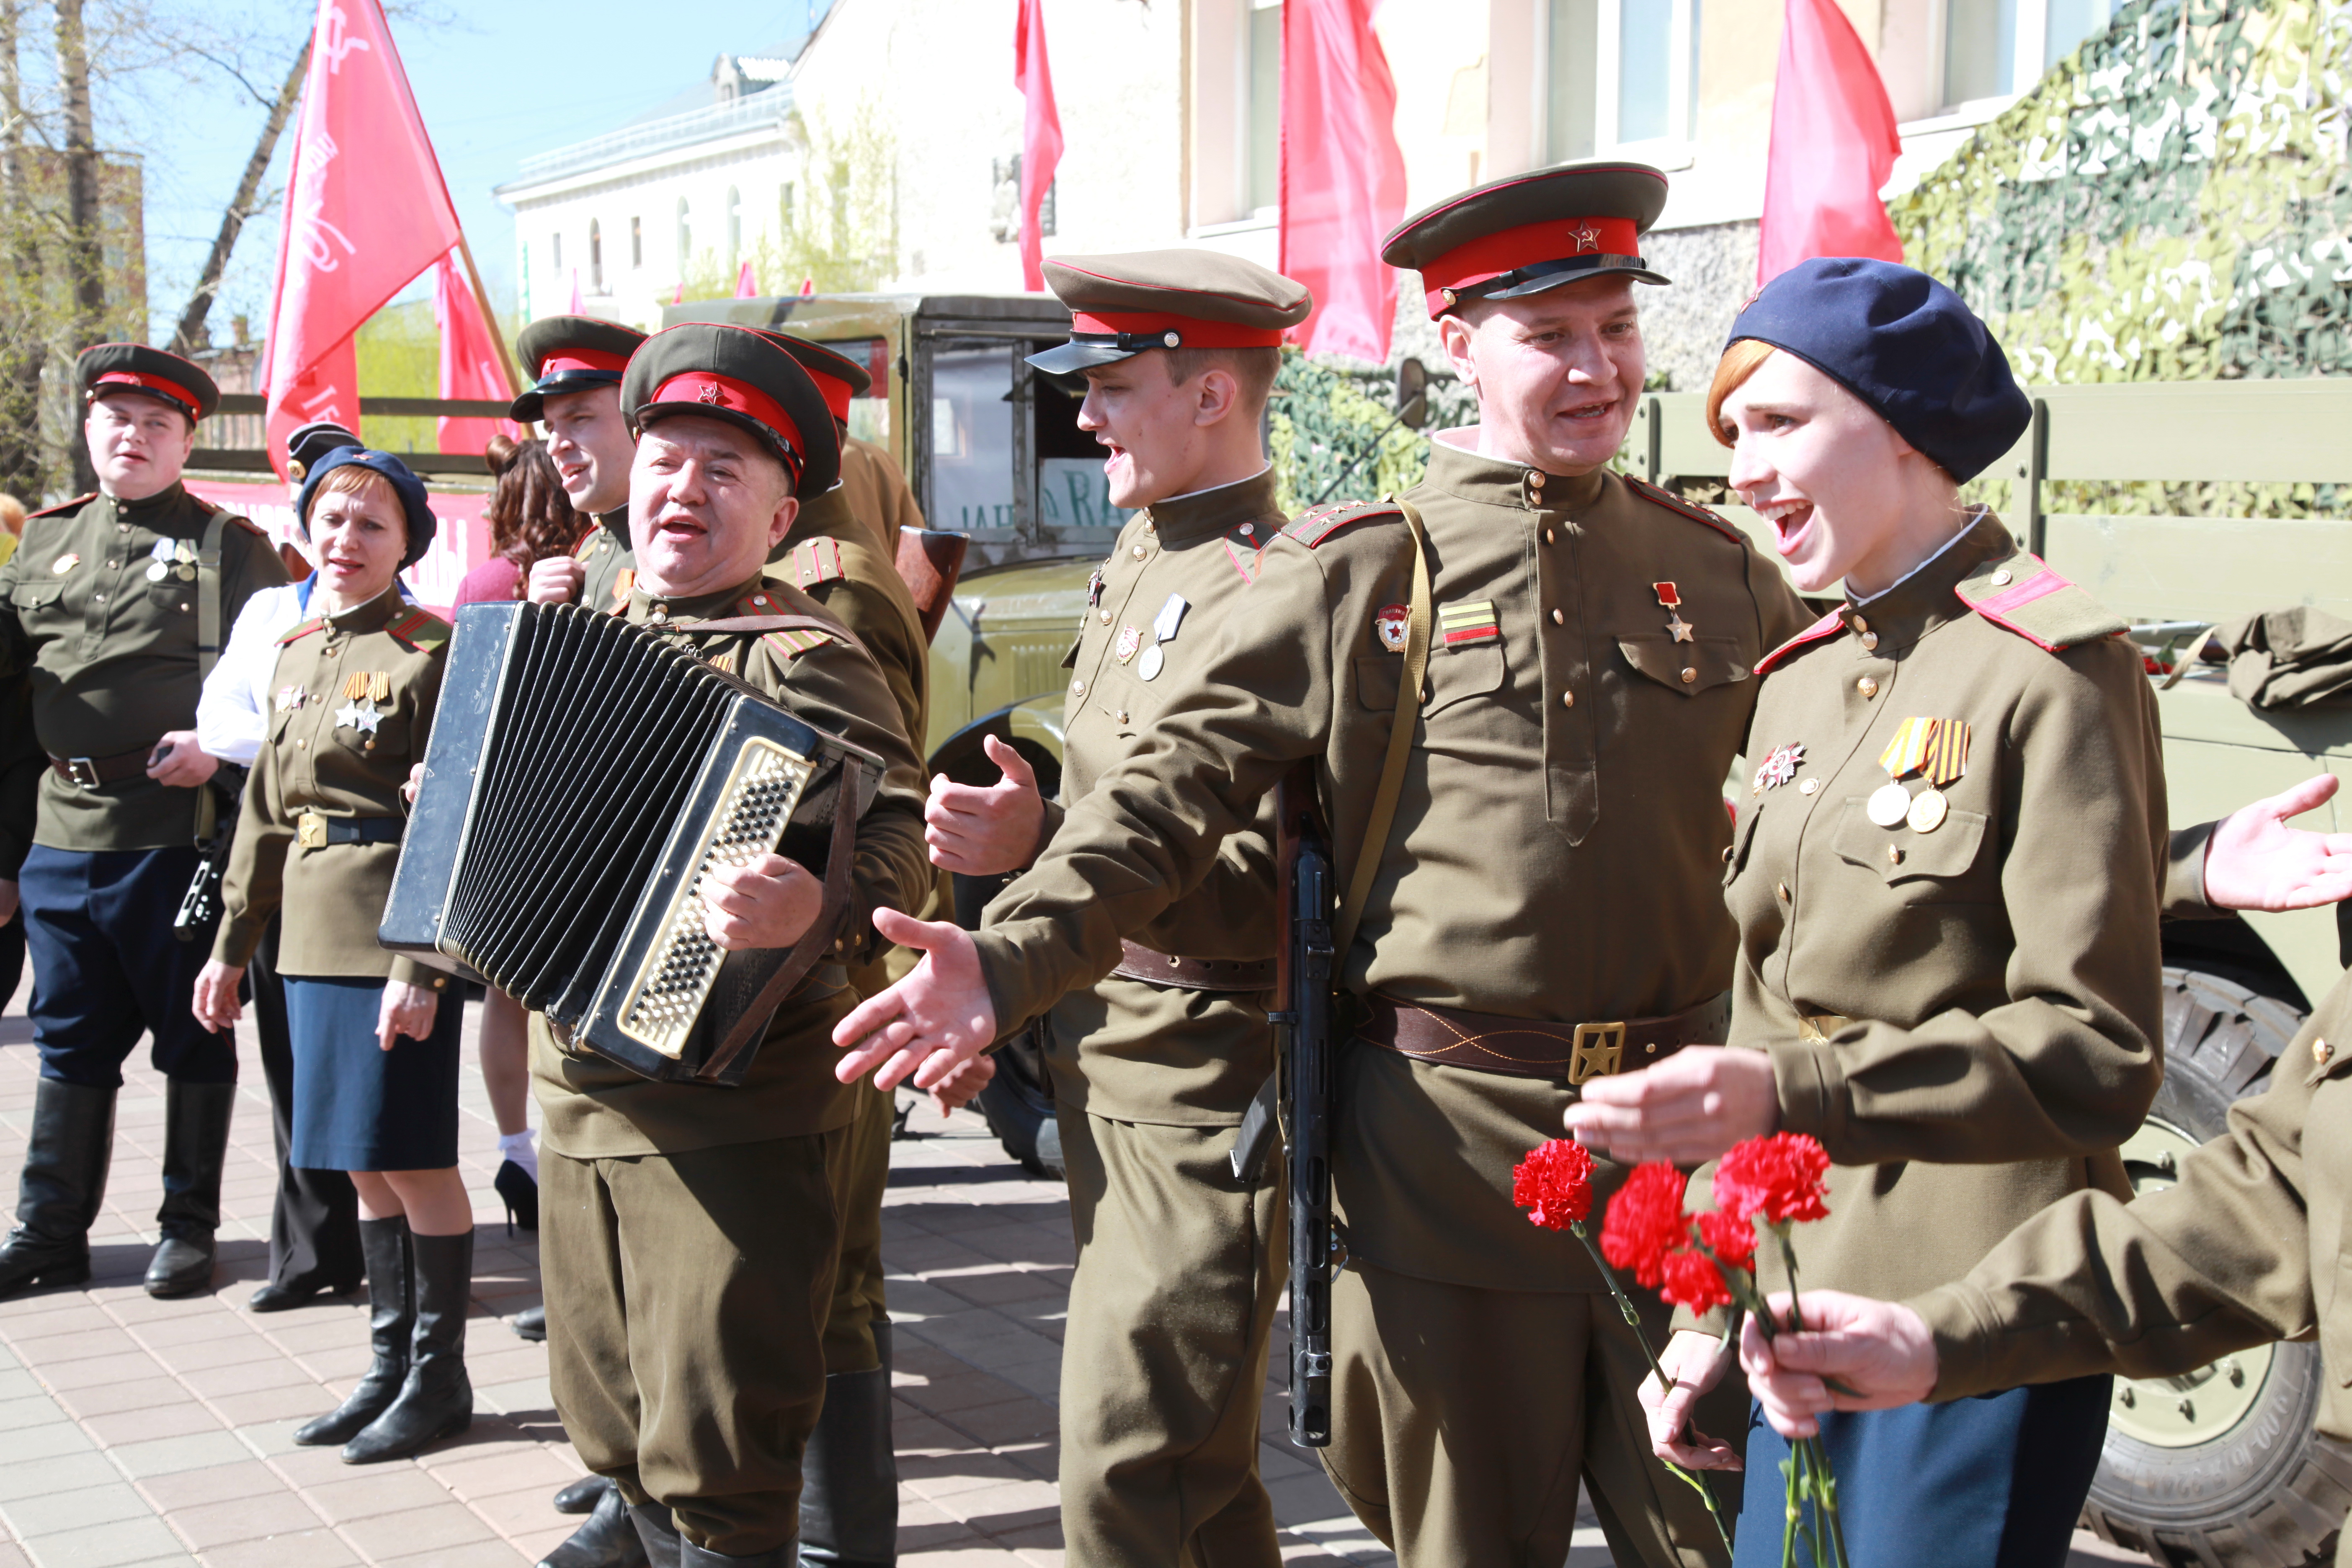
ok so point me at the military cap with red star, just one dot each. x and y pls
(570, 353)
(744, 378)
(108, 368)
(1532, 232)
(1146, 300)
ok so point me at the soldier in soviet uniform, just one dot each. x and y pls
(116, 603)
(575, 363)
(1946, 882)
(690, 1230)
(1180, 1261)
(1543, 906)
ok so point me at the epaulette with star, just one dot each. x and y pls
(1317, 523)
(816, 561)
(2020, 593)
(304, 630)
(63, 507)
(421, 629)
(1673, 502)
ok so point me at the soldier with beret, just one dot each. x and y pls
(375, 1038)
(690, 1231)
(576, 364)
(1946, 881)
(1533, 883)
(116, 605)
(1180, 1261)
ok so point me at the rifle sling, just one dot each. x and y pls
(1401, 725)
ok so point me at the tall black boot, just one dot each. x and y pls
(849, 1476)
(609, 1539)
(63, 1184)
(196, 1146)
(392, 1324)
(436, 1400)
(659, 1531)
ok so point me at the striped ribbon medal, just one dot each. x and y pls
(1937, 750)
(1460, 624)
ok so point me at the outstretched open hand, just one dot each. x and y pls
(928, 1025)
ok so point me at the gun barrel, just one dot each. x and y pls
(1306, 1073)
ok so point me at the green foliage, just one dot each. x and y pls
(840, 226)
(399, 356)
(1333, 433)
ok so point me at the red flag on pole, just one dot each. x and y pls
(1041, 136)
(1342, 175)
(469, 361)
(1834, 143)
(747, 283)
(575, 310)
(366, 211)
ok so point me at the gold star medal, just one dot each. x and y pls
(1945, 760)
(1670, 599)
(1891, 804)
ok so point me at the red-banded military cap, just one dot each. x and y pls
(1531, 232)
(744, 378)
(838, 377)
(1130, 304)
(135, 368)
(571, 354)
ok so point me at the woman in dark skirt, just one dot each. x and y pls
(374, 1036)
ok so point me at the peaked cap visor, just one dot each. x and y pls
(1529, 233)
(106, 368)
(744, 377)
(837, 376)
(1130, 304)
(570, 353)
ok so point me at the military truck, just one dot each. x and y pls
(2218, 1467)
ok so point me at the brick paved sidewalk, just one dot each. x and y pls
(137, 1433)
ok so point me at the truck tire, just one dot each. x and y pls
(2219, 1468)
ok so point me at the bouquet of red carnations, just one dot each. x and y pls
(1764, 1186)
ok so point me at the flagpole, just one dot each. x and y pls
(474, 276)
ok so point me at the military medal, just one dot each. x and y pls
(1945, 760)
(1779, 768)
(1164, 626)
(159, 566)
(358, 714)
(1129, 639)
(1095, 588)
(290, 697)
(1394, 625)
(1670, 599)
(64, 563)
(1891, 804)
(379, 686)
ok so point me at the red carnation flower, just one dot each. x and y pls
(1733, 1240)
(1692, 1280)
(1645, 1223)
(1554, 1183)
(1776, 1179)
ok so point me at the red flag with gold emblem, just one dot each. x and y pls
(366, 211)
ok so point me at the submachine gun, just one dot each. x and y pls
(221, 803)
(1301, 1089)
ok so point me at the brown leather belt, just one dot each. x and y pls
(1531, 1047)
(89, 772)
(1195, 974)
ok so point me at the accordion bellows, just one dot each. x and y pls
(582, 777)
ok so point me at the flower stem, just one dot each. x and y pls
(1633, 1321)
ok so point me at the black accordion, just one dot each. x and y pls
(583, 776)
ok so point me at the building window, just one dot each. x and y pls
(1993, 48)
(596, 258)
(555, 249)
(734, 226)
(1620, 74)
(1262, 105)
(685, 237)
(636, 242)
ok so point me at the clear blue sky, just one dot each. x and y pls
(495, 83)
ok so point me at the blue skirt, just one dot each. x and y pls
(1991, 1482)
(358, 1106)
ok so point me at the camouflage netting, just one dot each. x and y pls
(2173, 204)
(1334, 435)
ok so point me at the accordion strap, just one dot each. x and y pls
(818, 939)
(762, 624)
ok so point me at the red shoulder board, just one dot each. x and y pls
(420, 629)
(1828, 626)
(2020, 593)
(1673, 502)
(1317, 523)
(304, 630)
(816, 561)
(63, 507)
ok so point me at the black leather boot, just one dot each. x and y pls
(659, 1532)
(689, 1555)
(436, 1400)
(849, 1476)
(583, 1495)
(609, 1539)
(531, 1323)
(63, 1184)
(196, 1146)
(392, 1324)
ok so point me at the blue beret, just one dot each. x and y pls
(422, 524)
(1903, 343)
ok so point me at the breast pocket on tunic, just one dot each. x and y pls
(38, 603)
(1947, 865)
(1690, 667)
(388, 739)
(1460, 674)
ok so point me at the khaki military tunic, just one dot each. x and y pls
(113, 652)
(607, 568)
(1983, 989)
(2247, 1248)
(1555, 855)
(352, 710)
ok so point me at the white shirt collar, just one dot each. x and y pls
(1967, 528)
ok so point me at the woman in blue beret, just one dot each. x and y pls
(375, 1036)
(1946, 873)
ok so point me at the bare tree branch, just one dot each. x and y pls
(190, 335)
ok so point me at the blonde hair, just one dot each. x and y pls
(1740, 362)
